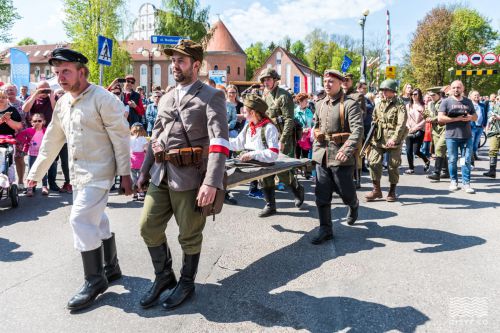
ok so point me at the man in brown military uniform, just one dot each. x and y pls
(193, 115)
(281, 111)
(348, 88)
(338, 131)
(390, 119)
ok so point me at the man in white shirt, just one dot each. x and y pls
(91, 121)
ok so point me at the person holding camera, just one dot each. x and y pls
(130, 98)
(281, 111)
(337, 132)
(185, 161)
(456, 112)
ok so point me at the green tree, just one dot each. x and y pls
(430, 47)
(85, 20)
(298, 49)
(320, 50)
(286, 43)
(27, 41)
(184, 18)
(271, 47)
(8, 15)
(257, 54)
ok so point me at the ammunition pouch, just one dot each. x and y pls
(185, 157)
(338, 138)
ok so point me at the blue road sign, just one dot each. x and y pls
(104, 50)
(169, 40)
(346, 63)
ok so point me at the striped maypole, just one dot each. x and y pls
(388, 50)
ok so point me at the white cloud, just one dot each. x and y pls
(295, 18)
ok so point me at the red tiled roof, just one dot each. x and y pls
(222, 40)
(36, 53)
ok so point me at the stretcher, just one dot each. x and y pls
(239, 173)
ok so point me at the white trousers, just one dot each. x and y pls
(89, 222)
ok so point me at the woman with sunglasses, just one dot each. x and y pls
(416, 128)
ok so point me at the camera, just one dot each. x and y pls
(122, 80)
(45, 91)
(457, 113)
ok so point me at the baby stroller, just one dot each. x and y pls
(7, 173)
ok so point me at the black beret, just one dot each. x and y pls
(68, 55)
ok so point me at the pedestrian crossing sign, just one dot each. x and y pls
(104, 50)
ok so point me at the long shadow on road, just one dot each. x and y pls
(8, 253)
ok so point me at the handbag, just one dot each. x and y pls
(216, 206)
(305, 140)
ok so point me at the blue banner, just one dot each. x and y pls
(296, 84)
(346, 63)
(19, 68)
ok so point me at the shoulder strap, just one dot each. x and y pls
(342, 115)
(263, 136)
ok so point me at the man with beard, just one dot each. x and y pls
(91, 121)
(190, 117)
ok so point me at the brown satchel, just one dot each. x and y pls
(216, 206)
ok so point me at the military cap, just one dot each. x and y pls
(349, 76)
(269, 72)
(186, 47)
(335, 73)
(255, 103)
(68, 55)
(433, 90)
(389, 84)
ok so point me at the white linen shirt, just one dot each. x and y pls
(97, 135)
(245, 141)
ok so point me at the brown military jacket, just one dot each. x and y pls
(203, 111)
(327, 120)
(431, 111)
(280, 104)
(360, 98)
(390, 116)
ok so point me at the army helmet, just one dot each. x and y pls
(269, 72)
(389, 84)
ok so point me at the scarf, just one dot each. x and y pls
(253, 128)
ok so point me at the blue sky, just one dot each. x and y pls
(251, 21)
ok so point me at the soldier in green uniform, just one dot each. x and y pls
(281, 112)
(348, 87)
(390, 119)
(438, 131)
(338, 131)
(494, 136)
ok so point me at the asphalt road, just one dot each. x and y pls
(427, 263)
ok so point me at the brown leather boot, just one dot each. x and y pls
(376, 193)
(391, 196)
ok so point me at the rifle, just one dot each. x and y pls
(369, 136)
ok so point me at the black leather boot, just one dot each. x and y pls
(445, 173)
(436, 175)
(298, 193)
(325, 225)
(357, 183)
(270, 197)
(352, 214)
(493, 168)
(111, 267)
(95, 281)
(165, 277)
(185, 287)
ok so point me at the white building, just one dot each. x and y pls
(144, 24)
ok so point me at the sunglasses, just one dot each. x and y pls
(415, 94)
(37, 121)
(131, 81)
(117, 93)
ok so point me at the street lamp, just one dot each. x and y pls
(149, 54)
(362, 22)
